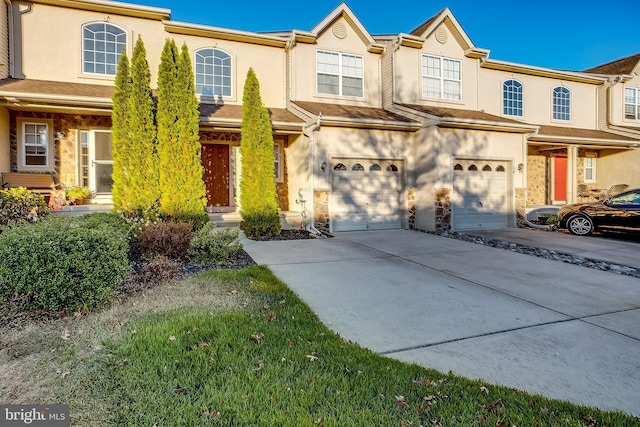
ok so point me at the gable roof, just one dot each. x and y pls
(343, 11)
(446, 17)
(617, 67)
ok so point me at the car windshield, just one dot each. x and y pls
(631, 198)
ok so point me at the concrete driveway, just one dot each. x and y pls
(542, 326)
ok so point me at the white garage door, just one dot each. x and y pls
(366, 194)
(480, 195)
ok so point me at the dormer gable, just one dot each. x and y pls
(336, 22)
(439, 26)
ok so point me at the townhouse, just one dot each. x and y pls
(413, 130)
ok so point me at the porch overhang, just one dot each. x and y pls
(465, 119)
(226, 117)
(354, 117)
(596, 139)
(50, 96)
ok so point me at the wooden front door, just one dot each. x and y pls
(559, 179)
(215, 160)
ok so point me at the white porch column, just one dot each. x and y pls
(572, 172)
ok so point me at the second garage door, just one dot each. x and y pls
(480, 195)
(366, 194)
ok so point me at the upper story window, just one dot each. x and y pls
(631, 103)
(340, 74)
(213, 72)
(102, 44)
(441, 78)
(561, 103)
(512, 98)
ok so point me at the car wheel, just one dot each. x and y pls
(580, 225)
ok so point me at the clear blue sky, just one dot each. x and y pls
(562, 34)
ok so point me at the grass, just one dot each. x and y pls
(237, 348)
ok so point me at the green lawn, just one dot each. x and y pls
(237, 348)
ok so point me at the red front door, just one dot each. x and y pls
(215, 160)
(559, 179)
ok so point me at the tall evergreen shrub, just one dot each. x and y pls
(144, 187)
(181, 182)
(258, 202)
(121, 142)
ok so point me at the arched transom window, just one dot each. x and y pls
(102, 45)
(213, 72)
(561, 103)
(512, 98)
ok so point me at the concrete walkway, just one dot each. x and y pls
(542, 326)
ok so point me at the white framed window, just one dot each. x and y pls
(213, 72)
(561, 103)
(35, 145)
(441, 78)
(277, 164)
(102, 45)
(590, 168)
(339, 74)
(512, 98)
(631, 103)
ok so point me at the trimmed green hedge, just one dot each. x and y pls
(62, 264)
(212, 245)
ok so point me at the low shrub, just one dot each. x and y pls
(258, 225)
(61, 264)
(158, 270)
(19, 205)
(212, 245)
(170, 239)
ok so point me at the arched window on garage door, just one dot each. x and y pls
(340, 167)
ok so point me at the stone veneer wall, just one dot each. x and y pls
(521, 202)
(536, 178)
(65, 149)
(411, 202)
(443, 209)
(321, 210)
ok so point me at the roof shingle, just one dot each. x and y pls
(619, 66)
(351, 112)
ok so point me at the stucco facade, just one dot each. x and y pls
(408, 130)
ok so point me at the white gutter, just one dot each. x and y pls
(309, 130)
(19, 98)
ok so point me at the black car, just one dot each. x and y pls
(620, 212)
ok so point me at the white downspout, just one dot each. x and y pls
(309, 130)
